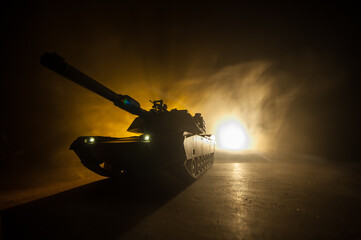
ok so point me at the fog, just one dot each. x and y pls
(285, 71)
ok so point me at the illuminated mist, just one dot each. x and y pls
(283, 81)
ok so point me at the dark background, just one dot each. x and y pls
(288, 71)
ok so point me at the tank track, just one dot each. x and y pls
(197, 166)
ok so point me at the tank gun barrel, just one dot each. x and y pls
(57, 64)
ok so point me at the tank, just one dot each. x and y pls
(173, 141)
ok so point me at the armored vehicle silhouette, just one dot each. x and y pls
(173, 141)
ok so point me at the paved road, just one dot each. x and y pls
(243, 196)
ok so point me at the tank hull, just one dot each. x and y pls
(181, 154)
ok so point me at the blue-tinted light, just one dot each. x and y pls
(126, 101)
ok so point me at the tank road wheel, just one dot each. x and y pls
(107, 166)
(194, 167)
(212, 158)
(97, 168)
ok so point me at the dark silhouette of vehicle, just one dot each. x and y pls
(174, 141)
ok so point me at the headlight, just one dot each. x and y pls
(90, 140)
(146, 138)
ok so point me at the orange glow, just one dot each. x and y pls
(242, 91)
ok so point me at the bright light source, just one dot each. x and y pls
(90, 140)
(232, 135)
(146, 138)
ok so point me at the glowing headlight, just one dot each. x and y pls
(90, 140)
(146, 138)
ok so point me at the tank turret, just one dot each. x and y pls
(168, 138)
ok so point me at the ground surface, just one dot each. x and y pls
(243, 196)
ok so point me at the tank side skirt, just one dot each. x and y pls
(199, 151)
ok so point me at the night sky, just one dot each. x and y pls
(288, 71)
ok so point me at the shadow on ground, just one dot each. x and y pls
(100, 210)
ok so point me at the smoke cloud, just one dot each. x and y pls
(287, 78)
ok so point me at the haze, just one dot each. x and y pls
(285, 71)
